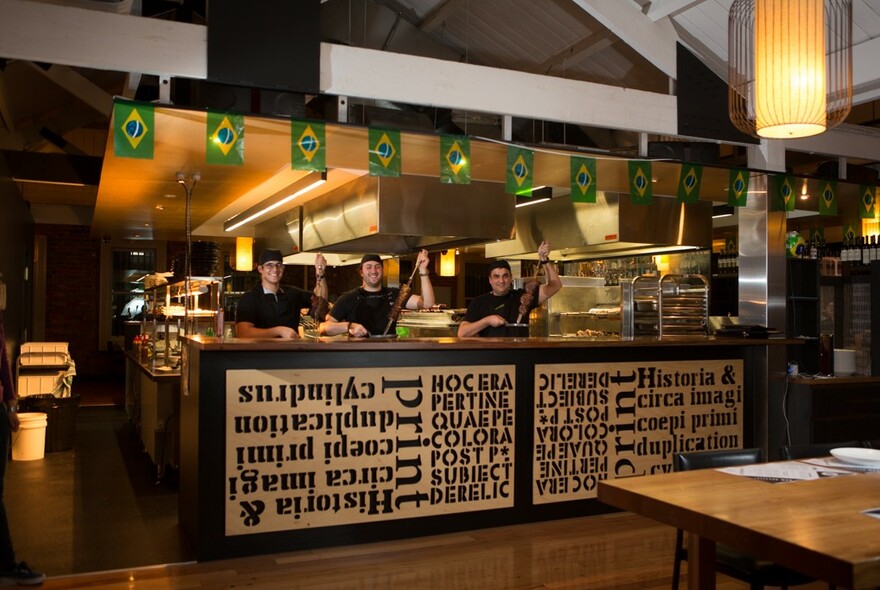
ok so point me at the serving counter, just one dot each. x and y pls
(152, 394)
(290, 445)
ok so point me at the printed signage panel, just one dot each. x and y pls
(312, 447)
(597, 421)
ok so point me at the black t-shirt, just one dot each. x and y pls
(367, 308)
(507, 306)
(267, 310)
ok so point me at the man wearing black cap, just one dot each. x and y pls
(367, 309)
(270, 311)
(494, 313)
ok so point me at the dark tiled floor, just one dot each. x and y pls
(98, 506)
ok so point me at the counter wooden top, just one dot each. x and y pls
(153, 373)
(342, 343)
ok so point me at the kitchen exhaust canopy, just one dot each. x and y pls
(612, 226)
(402, 215)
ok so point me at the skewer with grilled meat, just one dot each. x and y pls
(319, 308)
(405, 292)
(529, 299)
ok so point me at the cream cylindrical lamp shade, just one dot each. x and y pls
(789, 68)
(244, 254)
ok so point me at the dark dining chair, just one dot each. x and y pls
(729, 561)
(790, 452)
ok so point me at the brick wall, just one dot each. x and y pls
(73, 272)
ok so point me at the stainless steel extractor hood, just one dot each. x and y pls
(402, 215)
(612, 226)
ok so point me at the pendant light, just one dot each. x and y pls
(790, 66)
(244, 254)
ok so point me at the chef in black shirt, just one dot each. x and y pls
(270, 310)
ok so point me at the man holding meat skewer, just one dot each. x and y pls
(372, 309)
(505, 311)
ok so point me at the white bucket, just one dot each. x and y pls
(29, 442)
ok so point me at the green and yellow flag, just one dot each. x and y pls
(384, 152)
(689, 181)
(225, 139)
(583, 179)
(738, 187)
(866, 201)
(641, 191)
(455, 159)
(133, 130)
(520, 164)
(308, 145)
(730, 244)
(783, 193)
(817, 235)
(828, 197)
(849, 232)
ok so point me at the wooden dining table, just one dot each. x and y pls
(819, 527)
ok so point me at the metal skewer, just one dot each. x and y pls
(405, 291)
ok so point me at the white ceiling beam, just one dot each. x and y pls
(655, 41)
(366, 73)
(79, 86)
(587, 46)
(660, 9)
(439, 14)
(866, 71)
(850, 141)
(63, 35)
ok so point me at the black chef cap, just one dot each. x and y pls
(271, 256)
(371, 258)
(499, 264)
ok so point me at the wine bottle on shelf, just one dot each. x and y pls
(866, 251)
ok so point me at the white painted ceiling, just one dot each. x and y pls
(51, 104)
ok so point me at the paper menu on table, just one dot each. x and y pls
(783, 471)
(831, 462)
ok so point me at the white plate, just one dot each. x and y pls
(857, 456)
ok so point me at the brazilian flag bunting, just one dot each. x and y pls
(583, 179)
(849, 232)
(730, 244)
(520, 164)
(133, 130)
(783, 193)
(817, 235)
(866, 201)
(828, 197)
(308, 145)
(455, 159)
(689, 183)
(225, 139)
(738, 187)
(384, 152)
(641, 191)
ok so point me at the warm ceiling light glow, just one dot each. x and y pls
(244, 254)
(790, 66)
(302, 186)
(529, 203)
(447, 263)
(804, 194)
